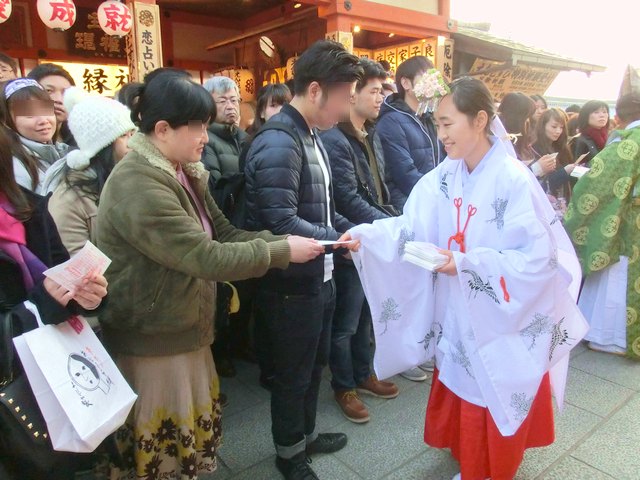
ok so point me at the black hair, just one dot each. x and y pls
(124, 94)
(4, 58)
(290, 84)
(172, 98)
(102, 164)
(471, 96)
(277, 93)
(327, 63)
(87, 363)
(48, 69)
(574, 108)
(628, 107)
(385, 65)
(371, 71)
(516, 110)
(572, 127)
(539, 98)
(586, 110)
(409, 69)
(162, 70)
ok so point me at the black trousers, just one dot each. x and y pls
(299, 330)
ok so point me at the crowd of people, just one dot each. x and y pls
(276, 245)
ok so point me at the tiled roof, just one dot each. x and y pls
(518, 52)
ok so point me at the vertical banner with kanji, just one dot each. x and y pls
(444, 58)
(144, 44)
(345, 38)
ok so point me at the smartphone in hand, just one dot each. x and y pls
(581, 158)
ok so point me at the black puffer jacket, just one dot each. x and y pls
(285, 193)
(222, 152)
(344, 149)
(410, 144)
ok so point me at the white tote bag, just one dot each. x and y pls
(81, 393)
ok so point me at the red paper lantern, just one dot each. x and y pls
(115, 18)
(5, 10)
(59, 15)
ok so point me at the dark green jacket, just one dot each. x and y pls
(162, 279)
(222, 152)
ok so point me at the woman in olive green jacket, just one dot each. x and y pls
(169, 244)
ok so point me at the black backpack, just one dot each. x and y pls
(229, 191)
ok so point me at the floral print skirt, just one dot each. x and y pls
(174, 430)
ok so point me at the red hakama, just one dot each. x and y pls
(473, 438)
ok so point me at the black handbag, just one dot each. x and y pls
(25, 439)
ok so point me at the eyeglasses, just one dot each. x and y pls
(222, 101)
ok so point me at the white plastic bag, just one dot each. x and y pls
(81, 393)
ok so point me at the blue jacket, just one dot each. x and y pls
(410, 145)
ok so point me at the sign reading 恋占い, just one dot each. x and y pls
(144, 44)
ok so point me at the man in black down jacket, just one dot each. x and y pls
(289, 191)
(220, 155)
(410, 143)
(358, 178)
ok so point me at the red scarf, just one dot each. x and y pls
(598, 135)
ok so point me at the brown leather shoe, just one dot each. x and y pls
(377, 388)
(351, 406)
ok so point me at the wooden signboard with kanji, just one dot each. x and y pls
(86, 38)
(502, 79)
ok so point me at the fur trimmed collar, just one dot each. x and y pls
(140, 144)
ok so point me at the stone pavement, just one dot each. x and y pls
(598, 434)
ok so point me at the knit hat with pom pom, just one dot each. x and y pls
(95, 123)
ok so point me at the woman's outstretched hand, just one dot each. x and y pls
(303, 249)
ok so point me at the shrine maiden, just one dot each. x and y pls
(500, 315)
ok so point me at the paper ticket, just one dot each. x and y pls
(71, 273)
